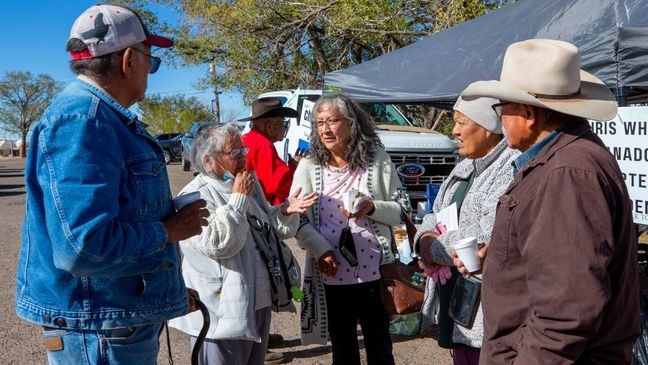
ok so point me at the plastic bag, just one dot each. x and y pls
(640, 349)
(405, 324)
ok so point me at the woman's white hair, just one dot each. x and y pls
(209, 142)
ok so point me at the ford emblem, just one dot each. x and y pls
(410, 170)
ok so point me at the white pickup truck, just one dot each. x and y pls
(421, 156)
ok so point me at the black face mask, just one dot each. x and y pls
(347, 247)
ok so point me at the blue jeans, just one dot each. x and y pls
(131, 345)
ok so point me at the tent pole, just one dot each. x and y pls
(621, 94)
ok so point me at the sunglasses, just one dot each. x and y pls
(155, 61)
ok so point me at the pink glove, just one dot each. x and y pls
(438, 274)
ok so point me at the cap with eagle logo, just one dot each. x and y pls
(110, 28)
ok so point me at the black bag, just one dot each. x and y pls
(640, 349)
(347, 247)
(283, 268)
(445, 322)
(445, 292)
(464, 301)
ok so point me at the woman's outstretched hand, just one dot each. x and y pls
(295, 204)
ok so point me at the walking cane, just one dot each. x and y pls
(202, 334)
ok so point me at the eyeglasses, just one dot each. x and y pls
(235, 152)
(155, 61)
(331, 123)
(499, 108)
(285, 123)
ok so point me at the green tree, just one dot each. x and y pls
(172, 113)
(23, 99)
(278, 44)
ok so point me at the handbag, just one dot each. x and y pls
(400, 294)
(347, 246)
(464, 301)
(446, 292)
(283, 269)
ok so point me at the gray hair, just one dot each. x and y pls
(209, 142)
(364, 138)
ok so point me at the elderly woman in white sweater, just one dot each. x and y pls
(475, 184)
(223, 263)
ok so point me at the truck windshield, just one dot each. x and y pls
(386, 114)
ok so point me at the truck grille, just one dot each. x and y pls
(437, 168)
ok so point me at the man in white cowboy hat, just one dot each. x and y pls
(560, 278)
(268, 125)
(99, 266)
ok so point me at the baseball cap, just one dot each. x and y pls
(110, 28)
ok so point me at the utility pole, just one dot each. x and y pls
(215, 102)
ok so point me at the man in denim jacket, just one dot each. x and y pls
(99, 267)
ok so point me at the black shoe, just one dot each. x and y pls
(274, 340)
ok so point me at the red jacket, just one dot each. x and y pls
(274, 174)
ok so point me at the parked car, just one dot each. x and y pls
(187, 142)
(421, 156)
(171, 145)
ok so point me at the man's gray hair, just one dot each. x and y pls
(209, 142)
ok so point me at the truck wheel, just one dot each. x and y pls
(186, 165)
(167, 157)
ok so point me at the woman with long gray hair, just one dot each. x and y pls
(222, 263)
(342, 276)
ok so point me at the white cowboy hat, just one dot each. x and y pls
(546, 73)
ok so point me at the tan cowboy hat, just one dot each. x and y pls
(268, 108)
(546, 73)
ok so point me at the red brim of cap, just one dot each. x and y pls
(158, 41)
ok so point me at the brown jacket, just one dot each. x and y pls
(560, 280)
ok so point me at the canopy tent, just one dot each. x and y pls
(612, 36)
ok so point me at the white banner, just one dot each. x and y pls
(626, 137)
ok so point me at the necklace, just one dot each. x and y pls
(338, 170)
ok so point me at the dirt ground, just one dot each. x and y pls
(20, 341)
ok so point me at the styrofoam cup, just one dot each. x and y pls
(185, 199)
(467, 251)
(422, 209)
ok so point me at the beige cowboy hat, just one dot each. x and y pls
(546, 73)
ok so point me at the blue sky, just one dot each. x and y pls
(33, 35)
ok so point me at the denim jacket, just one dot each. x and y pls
(94, 251)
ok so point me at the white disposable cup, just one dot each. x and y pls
(422, 209)
(185, 199)
(467, 251)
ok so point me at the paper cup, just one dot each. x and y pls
(185, 199)
(467, 251)
(422, 209)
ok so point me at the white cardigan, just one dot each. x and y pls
(382, 182)
(223, 258)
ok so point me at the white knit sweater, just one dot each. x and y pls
(493, 174)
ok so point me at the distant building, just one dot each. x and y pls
(7, 147)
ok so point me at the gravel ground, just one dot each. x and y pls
(20, 341)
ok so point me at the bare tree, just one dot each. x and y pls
(23, 99)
